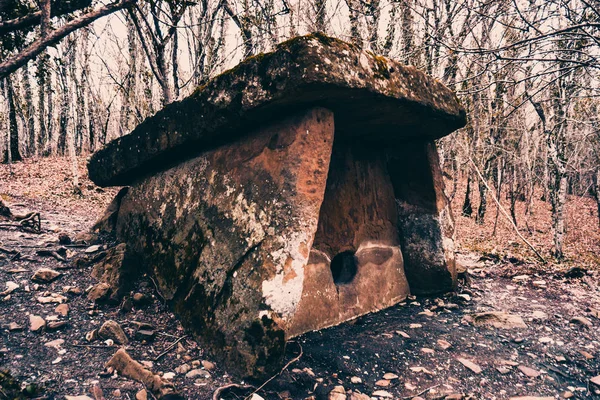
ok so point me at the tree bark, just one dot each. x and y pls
(12, 150)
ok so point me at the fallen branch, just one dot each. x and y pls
(129, 368)
(508, 218)
(161, 355)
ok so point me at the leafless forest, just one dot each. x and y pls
(77, 74)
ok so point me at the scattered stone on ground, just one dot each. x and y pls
(112, 330)
(45, 275)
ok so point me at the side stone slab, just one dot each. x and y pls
(228, 234)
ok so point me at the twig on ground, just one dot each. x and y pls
(161, 355)
(293, 360)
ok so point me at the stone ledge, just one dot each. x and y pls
(372, 97)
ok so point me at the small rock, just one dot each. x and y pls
(464, 297)
(568, 394)
(583, 321)
(539, 315)
(82, 397)
(64, 238)
(545, 339)
(444, 345)
(382, 383)
(415, 326)
(144, 334)
(390, 376)
(183, 369)
(382, 393)
(52, 298)
(498, 319)
(141, 395)
(596, 380)
(421, 369)
(209, 366)
(92, 335)
(197, 373)
(256, 397)
(13, 327)
(111, 330)
(55, 344)
(338, 393)
(427, 350)
(470, 365)
(55, 325)
(356, 380)
(45, 275)
(10, 287)
(140, 299)
(99, 292)
(36, 323)
(403, 334)
(92, 249)
(116, 393)
(169, 375)
(62, 309)
(586, 355)
(530, 372)
(503, 370)
(454, 396)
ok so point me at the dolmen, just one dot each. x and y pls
(296, 191)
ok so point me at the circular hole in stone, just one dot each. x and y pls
(343, 267)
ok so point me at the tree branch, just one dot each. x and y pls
(18, 60)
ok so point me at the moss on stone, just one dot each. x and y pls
(382, 70)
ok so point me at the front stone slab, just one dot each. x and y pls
(228, 234)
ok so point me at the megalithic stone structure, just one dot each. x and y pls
(296, 191)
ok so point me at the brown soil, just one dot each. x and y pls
(565, 354)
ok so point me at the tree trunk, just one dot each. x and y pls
(29, 113)
(13, 153)
(597, 192)
(467, 208)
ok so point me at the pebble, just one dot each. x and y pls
(183, 369)
(55, 344)
(62, 309)
(427, 350)
(382, 393)
(356, 380)
(36, 323)
(45, 275)
(92, 249)
(82, 397)
(583, 321)
(13, 326)
(197, 373)
(337, 393)
(596, 380)
(382, 383)
(444, 345)
(10, 287)
(470, 365)
(530, 372)
(52, 298)
(112, 330)
(390, 376)
(415, 326)
(169, 375)
(209, 366)
(141, 395)
(403, 334)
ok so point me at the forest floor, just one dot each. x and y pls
(434, 348)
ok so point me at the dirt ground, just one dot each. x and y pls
(422, 344)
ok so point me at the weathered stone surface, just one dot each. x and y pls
(499, 319)
(111, 271)
(112, 330)
(372, 97)
(228, 235)
(258, 234)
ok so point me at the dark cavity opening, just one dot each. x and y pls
(343, 267)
